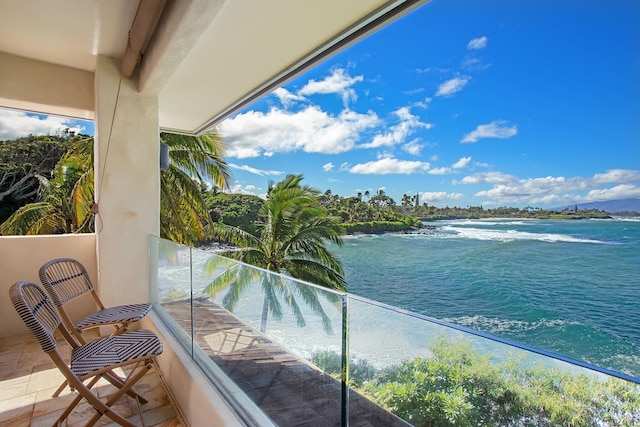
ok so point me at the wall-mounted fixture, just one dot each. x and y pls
(164, 157)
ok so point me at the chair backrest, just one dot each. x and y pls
(65, 279)
(37, 311)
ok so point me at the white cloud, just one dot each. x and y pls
(244, 189)
(623, 191)
(439, 196)
(287, 98)
(413, 147)
(478, 43)
(621, 176)
(16, 124)
(462, 163)
(390, 165)
(312, 130)
(495, 129)
(488, 177)
(255, 171)
(327, 167)
(339, 83)
(440, 171)
(397, 134)
(509, 189)
(452, 86)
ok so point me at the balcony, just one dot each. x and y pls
(290, 353)
(313, 357)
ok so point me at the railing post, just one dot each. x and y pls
(345, 360)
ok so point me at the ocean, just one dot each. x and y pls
(569, 287)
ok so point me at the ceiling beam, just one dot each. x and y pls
(142, 28)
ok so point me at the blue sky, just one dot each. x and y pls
(464, 102)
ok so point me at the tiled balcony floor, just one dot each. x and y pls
(28, 378)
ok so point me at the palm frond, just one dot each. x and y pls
(31, 219)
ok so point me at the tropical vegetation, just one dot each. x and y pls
(24, 162)
(60, 199)
(193, 162)
(64, 202)
(291, 238)
(457, 386)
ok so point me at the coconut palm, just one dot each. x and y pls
(67, 199)
(291, 240)
(66, 204)
(192, 161)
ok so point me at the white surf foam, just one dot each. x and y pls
(511, 235)
(497, 325)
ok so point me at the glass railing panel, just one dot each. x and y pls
(173, 278)
(262, 330)
(279, 349)
(431, 373)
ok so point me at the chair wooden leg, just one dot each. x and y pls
(60, 389)
(117, 381)
(114, 398)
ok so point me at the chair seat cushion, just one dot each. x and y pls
(121, 314)
(118, 350)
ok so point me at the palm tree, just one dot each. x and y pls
(66, 204)
(192, 160)
(67, 199)
(292, 240)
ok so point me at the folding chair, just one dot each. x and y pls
(66, 279)
(90, 361)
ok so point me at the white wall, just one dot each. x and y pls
(127, 184)
(21, 258)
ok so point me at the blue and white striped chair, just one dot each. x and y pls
(88, 362)
(66, 279)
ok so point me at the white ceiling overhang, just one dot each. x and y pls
(252, 47)
(205, 59)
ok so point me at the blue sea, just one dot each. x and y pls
(570, 287)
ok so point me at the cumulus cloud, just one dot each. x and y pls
(389, 165)
(621, 176)
(509, 189)
(327, 167)
(439, 196)
(255, 171)
(439, 171)
(339, 82)
(623, 191)
(312, 130)
(478, 43)
(244, 189)
(398, 133)
(452, 86)
(413, 147)
(16, 124)
(287, 99)
(462, 163)
(495, 129)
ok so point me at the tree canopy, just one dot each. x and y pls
(23, 162)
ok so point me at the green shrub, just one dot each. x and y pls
(458, 386)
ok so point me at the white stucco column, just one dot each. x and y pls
(127, 183)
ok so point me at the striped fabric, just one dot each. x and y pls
(65, 279)
(108, 353)
(37, 311)
(122, 314)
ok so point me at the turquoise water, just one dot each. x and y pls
(569, 287)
